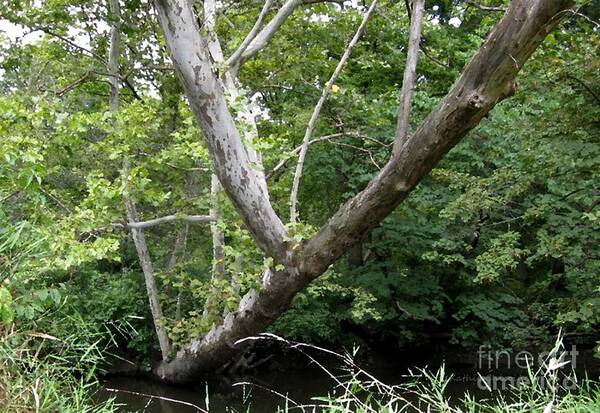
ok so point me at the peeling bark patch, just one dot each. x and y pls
(244, 179)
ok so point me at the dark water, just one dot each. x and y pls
(296, 384)
(266, 393)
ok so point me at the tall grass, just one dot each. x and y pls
(357, 391)
(43, 373)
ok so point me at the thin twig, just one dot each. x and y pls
(153, 396)
(69, 42)
(486, 8)
(120, 78)
(586, 87)
(284, 162)
(358, 148)
(7, 197)
(55, 199)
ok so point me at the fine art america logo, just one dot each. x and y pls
(549, 369)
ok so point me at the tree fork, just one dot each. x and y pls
(486, 80)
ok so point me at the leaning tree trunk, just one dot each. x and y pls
(485, 81)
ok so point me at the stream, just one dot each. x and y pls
(272, 388)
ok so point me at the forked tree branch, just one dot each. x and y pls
(485, 81)
(234, 59)
(263, 37)
(266, 34)
(317, 110)
(232, 163)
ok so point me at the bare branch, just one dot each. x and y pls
(137, 234)
(9, 196)
(585, 86)
(218, 242)
(410, 70)
(486, 8)
(267, 33)
(73, 85)
(113, 54)
(192, 169)
(585, 17)
(358, 148)
(281, 165)
(180, 245)
(139, 239)
(315, 115)
(111, 81)
(235, 57)
(170, 218)
(488, 79)
(55, 199)
(70, 42)
(263, 37)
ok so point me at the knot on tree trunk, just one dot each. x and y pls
(476, 101)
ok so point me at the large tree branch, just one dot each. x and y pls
(317, 110)
(263, 37)
(242, 182)
(487, 79)
(410, 71)
(245, 115)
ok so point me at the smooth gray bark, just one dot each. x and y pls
(141, 247)
(234, 60)
(410, 72)
(486, 80)
(244, 115)
(218, 242)
(113, 55)
(241, 181)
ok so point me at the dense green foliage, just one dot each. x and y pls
(498, 246)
